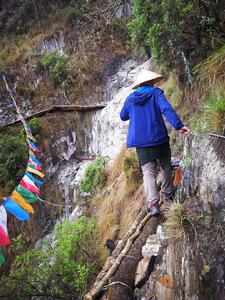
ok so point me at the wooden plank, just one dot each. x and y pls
(55, 108)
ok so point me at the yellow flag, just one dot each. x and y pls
(35, 172)
(19, 200)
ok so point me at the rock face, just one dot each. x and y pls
(191, 266)
(205, 171)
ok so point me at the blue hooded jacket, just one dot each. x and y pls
(144, 108)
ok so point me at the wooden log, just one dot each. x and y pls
(122, 283)
(96, 290)
(55, 108)
(119, 247)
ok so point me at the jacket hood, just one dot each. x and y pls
(141, 95)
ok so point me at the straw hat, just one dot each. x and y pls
(145, 76)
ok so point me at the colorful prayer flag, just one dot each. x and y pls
(12, 207)
(29, 187)
(28, 196)
(28, 180)
(33, 158)
(33, 178)
(31, 170)
(30, 137)
(2, 257)
(4, 239)
(20, 200)
(33, 147)
(3, 218)
(34, 165)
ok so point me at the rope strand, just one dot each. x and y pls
(54, 204)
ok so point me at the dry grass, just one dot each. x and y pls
(212, 70)
(116, 207)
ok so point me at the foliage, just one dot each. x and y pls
(163, 28)
(172, 90)
(181, 219)
(210, 79)
(212, 116)
(94, 176)
(55, 64)
(73, 14)
(13, 159)
(62, 267)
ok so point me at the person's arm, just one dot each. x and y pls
(124, 114)
(167, 110)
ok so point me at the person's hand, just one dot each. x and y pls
(185, 130)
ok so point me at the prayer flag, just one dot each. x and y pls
(35, 172)
(31, 152)
(28, 196)
(29, 187)
(2, 257)
(35, 166)
(4, 239)
(20, 200)
(30, 137)
(12, 207)
(33, 147)
(33, 158)
(33, 178)
(3, 218)
(28, 180)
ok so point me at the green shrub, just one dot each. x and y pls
(94, 176)
(212, 117)
(55, 64)
(73, 14)
(160, 29)
(13, 160)
(60, 269)
(172, 91)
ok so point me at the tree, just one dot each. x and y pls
(166, 29)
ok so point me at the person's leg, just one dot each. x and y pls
(166, 174)
(150, 186)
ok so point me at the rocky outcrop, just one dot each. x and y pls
(190, 264)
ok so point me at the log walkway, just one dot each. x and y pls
(121, 266)
(56, 108)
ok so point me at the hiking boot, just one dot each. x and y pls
(153, 209)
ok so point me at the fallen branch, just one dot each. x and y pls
(55, 108)
(119, 247)
(125, 274)
(96, 290)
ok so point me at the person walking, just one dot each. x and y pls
(147, 133)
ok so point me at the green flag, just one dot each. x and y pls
(2, 257)
(28, 196)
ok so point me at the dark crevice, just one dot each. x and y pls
(148, 273)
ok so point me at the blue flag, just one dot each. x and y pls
(16, 210)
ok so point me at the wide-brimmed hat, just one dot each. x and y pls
(145, 76)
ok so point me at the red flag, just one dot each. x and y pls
(29, 187)
(4, 239)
